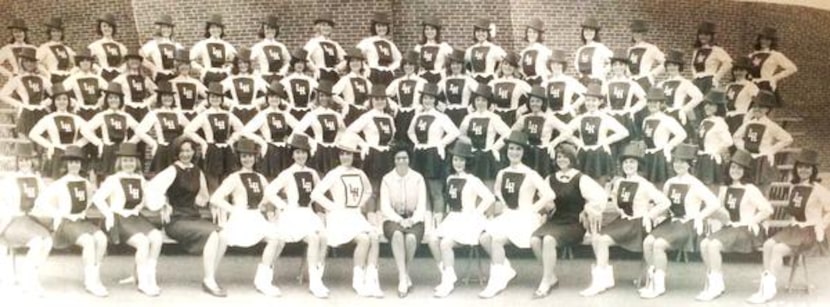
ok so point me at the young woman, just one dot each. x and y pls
(565, 94)
(160, 51)
(182, 187)
(809, 207)
(597, 132)
(190, 92)
(68, 199)
(645, 60)
(433, 52)
(62, 129)
(247, 90)
(714, 140)
(739, 94)
(326, 125)
(535, 56)
(468, 200)
(638, 203)
(661, 133)
(457, 88)
(508, 92)
(710, 63)
(86, 86)
(18, 225)
(682, 96)
(431, 132)
(290, 192)
(27, 91)
(353, 87)
(247, 224)
(691, 202)
(744, 209)
(108, 53)
(274, 124)
(325, 55)
(270, 57)
(483, 56)
(576, 210)
(139, 90)
(211, 56)
(769, 66)
(591, 59)
(167, 122)
(406, 90)
(54, 56)
(19, 41)
(382, 56)
(624, 96)
(540, 128)
(299, 84)
(516, 188)
(403, 201)
(762, 138)
(123, 194)
(486, 131)
(350, 191)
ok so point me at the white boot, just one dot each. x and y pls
(597, 282)
(151, 275)
(440, 269)
(144, 284)
(315, 282)
(263, 281)
(509, 274)
(372, 282)
(448, 279)
(715, 287)
(658, 285)
(608, 274)
(31, 281)
(7, 278)
(705, 292)
(492, 288)
(766, 291)
(92, 282)
(359, 281)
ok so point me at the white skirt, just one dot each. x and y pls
(516, 225)
(247, 228)
(462, 227)
(343, 225)
(296, 223)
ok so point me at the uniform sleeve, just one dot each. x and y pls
(761, 203)
(157, 188)
(661, 202)
(272, 190)
(595, 195)
(220, 196)
(542, 187)
(101, 198)
(319, 192)
(709, 199)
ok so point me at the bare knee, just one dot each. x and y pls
(549, 241)
(397, 235)
(362, 239)
(660, 245)
(447, 244)
(155, 237)
(410, 238)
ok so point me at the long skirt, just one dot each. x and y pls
(763, 173)
(219, 161)
(378, 163)
(538, 159)
(484, 165)
(402, 121)
(164, 157)
(516, 225)
(326, 158)
(27, 120)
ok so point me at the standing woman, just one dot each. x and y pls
(744, 209)
(382, 55)
(645, 60)
(483, 56)
(63, 129)
(190, 93)
(516, 188)
(139, 89)
(299, 85)
(167, 122)
(182, 187)
(325, 55)
(486, 132)
(403, 201)
(274, 124)
(457, 88)
(535, 56)
(763, 138)
(565, 94)
(433, 52)
(809, 208)
(509, 92)
(123, 193)
(682, 96)
(638, 203)
(326, 125)
(576, 210)
(27, 91)
(739, 94)
(431, 132)
(353, 87)
(247, 224)
(270, 57)
(465, 221)
(769, 66)
(10, 53)
(160, 52)
(290, 192)
(710, 63)
(247, 90)
(406, 90)
(691, 202)
(211, 56)
(591, 60)
(55, 56)
(86, 85)
(539, 127)
(598, 131)
(714, 141)
(350, 190)
(661, 133)
(624, 97)
(68, 199)
(18, 225)
(108, 53)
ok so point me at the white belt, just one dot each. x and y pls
(703, 75)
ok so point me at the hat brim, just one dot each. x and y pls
(170, 92)
(246, 151)
(620, 59)
(25, 57)
(430, 94)
(537, 29)
(66, 157)
(209, 22)
(351, 150)
(464, 155)
(133, 56)
(215, 93)
(164, 23)
(113, 92)
(520, 143)
(109, 22)
(324, 20)
(127, 154)
(18, 27)
(746, 164)
(431, 24)
(64, 92)
(53, 26)
(629, 156)
(802, 161)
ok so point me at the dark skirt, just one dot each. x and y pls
(402, 121)
(219, 161)
(106, 165)
(704, 84)
(431, 77)
(165, 155)
(27, 120)
(628, 234)
(109, 74)
(378, 163)
(211, 77)
(161, 77)
(734, 121)
(484, 165)
(481, 79)
(54, 167)
(680, 236)
(508, 117)
(535, 80)
(330, 75)
(564, 233)
(708, 170)
(762, 172)
(537, 159)
(378, 76)
(737, 240)
(596, 163)
(354, 113)
(298, 113)
(456, 115)
(137, 113)
(271, 77)
(190, 233)
(21, 230)
(68, 232)
(803, 240)
(57, 78)
(126, 227)
(277, 159)
(645, 83)
(657, 168)
(244, 115)
(326, 158)
(428, 163)
(626, 121)
(390, 227)
(87, 114)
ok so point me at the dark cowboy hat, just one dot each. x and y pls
(591, 23)
(807, 156)
(246, 146)
(165, 87)
(354, 53)
(378, 90)
(536, 24)
(127, 149)
(706, 27)
(633, 150)
(768, 32)
(620, 54)
(133, 54)
(595, 90)
(742, 62)
(675, 56)
(381, 17)
(432, 21)
(108, 18)
(457, 55)
(271, 20)
(55, 23)
(685, 152)
(244, 54)
(482, 24)
(764, 99)
(27, 53)
(59, 89)
(299, 54)
(114, 88)
(462, 148)
(411, 57)
(299, 141)
(512, 58)
(84, 55)
(483, 90)
(538, 91)
(639, 26)
(216, 89)
(166, 20)
(558, 56)
(18, 23)
(325, 17)
(518, 138)
(430, 89)
(73, 152)
(742, 158)
(656, 94)
(325, 87)
(276, 88)
(216, 19)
